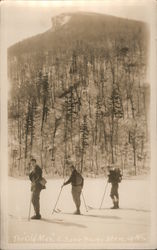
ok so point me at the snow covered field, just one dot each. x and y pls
(129, 224)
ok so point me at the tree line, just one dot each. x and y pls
(88, 104)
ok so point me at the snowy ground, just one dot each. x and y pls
(129, 224)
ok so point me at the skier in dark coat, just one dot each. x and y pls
(115, 178)
(77, 182)
(36, 177)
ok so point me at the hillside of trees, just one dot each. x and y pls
(79, 93)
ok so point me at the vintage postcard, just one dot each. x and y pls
(78, 124)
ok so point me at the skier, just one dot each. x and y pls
(115, 178)
(77, 182)
(38, 183)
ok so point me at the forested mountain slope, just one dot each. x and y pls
(79, 92)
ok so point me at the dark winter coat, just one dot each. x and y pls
(75, 179)
(115, 176)
(35, 177)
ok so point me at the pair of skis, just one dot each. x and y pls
(87, 207)
(58, 210)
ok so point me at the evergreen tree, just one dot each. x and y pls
(84, 139)
(45, 96)
(116, 112)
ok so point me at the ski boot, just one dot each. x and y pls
(36, 217)
(77, 211)
(114, 205)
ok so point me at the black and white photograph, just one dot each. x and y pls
(78, 124)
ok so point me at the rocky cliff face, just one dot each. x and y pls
(59, 21)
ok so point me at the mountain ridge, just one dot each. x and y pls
(82, 25)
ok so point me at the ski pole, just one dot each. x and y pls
(29, 213)
(104, 195)
(84, 202)
(57, 200)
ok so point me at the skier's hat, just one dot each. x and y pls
(110, 167)
(72, 166)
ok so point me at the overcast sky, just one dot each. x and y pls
(23, 19)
